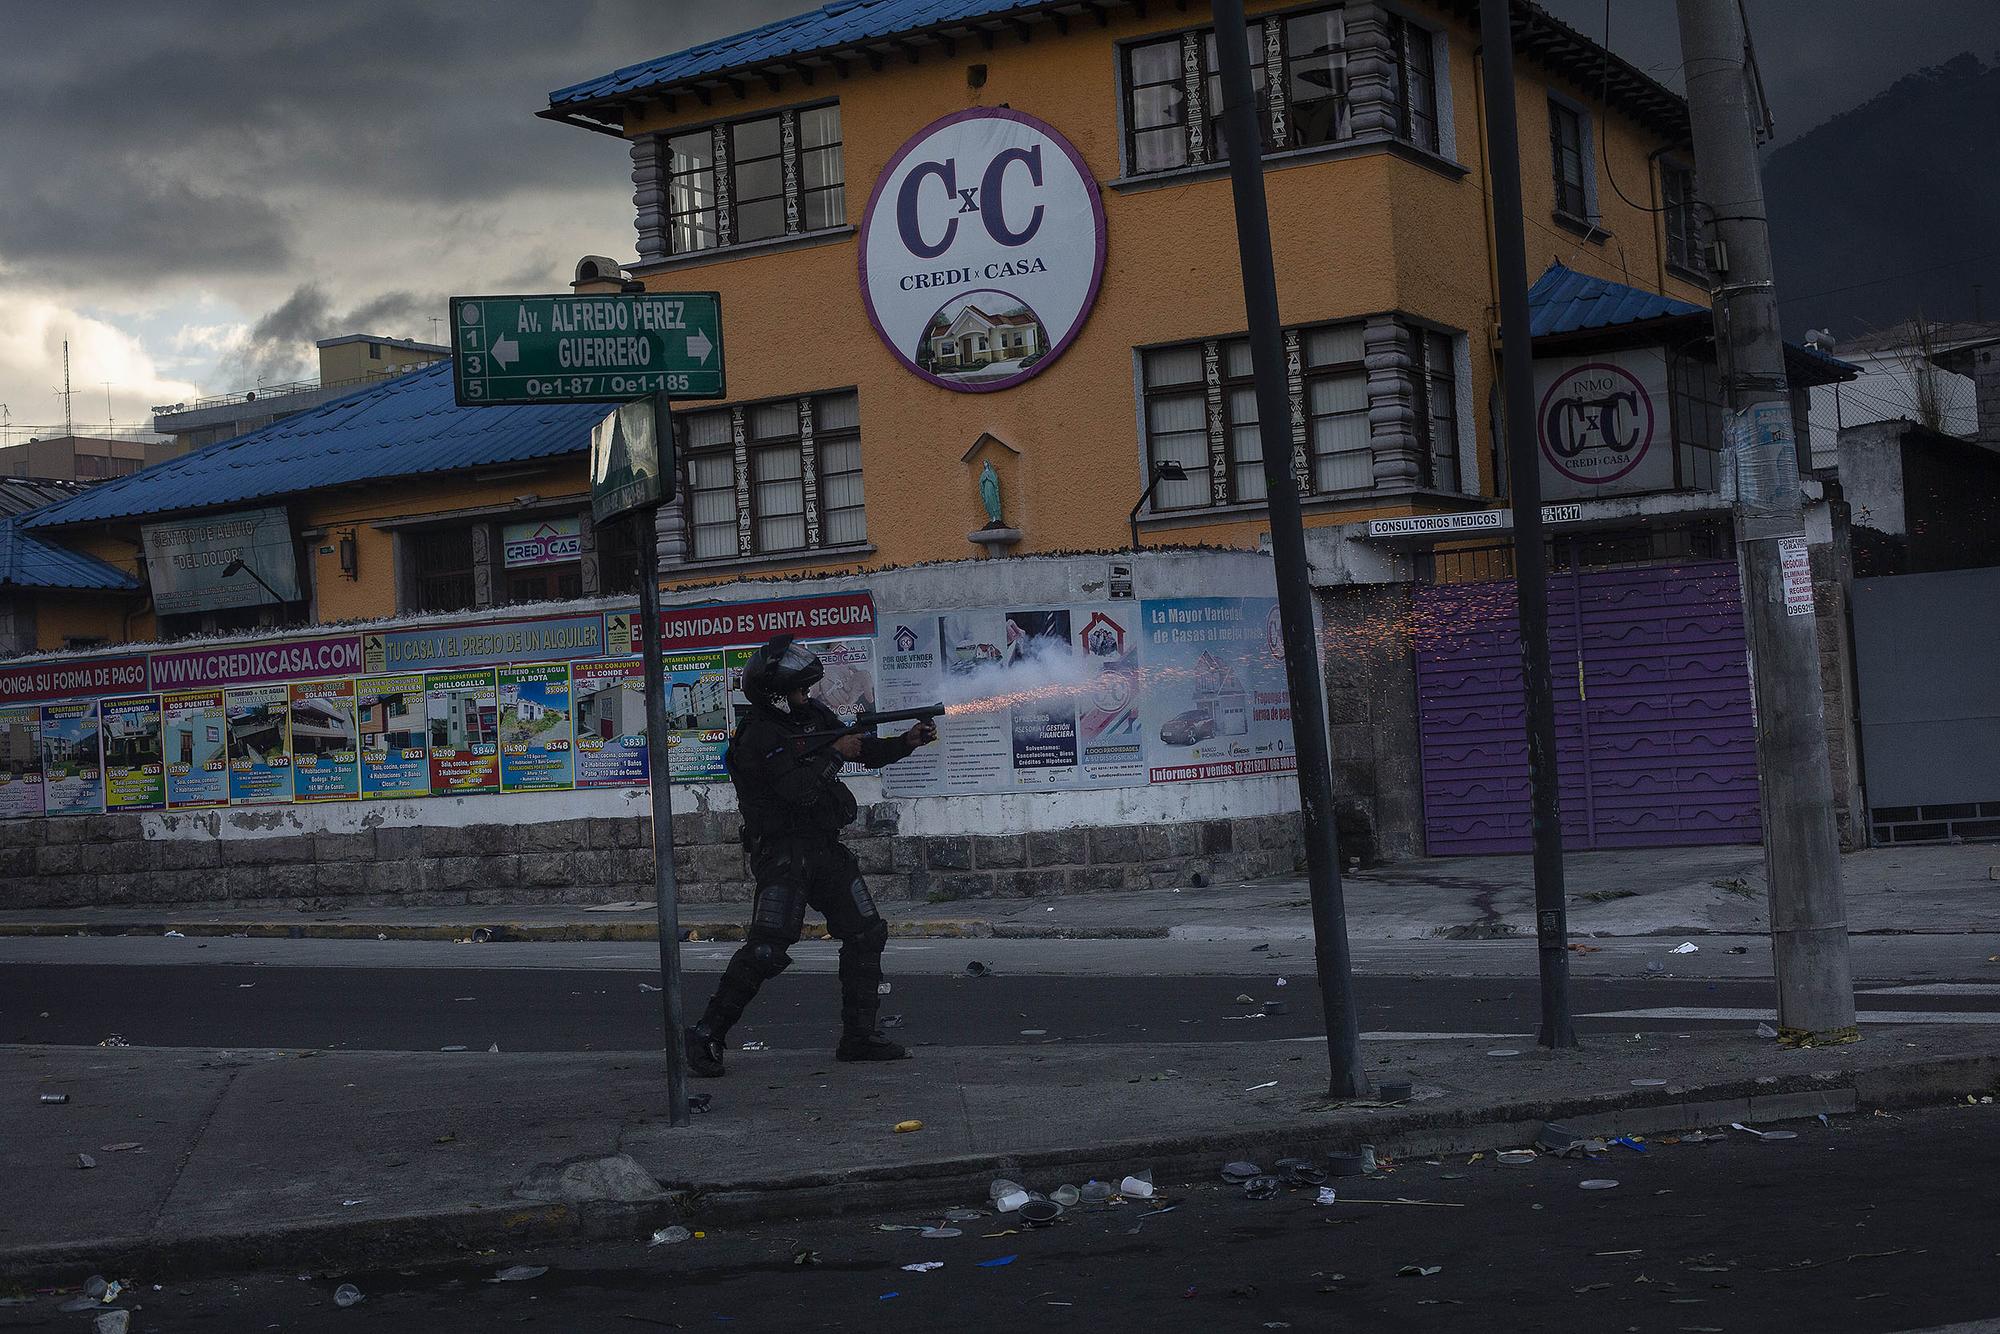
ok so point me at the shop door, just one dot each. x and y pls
(1655, 739)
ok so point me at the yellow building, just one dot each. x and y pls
(760, 162)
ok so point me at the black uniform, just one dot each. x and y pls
(794, 807)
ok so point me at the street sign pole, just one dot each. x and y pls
(666, 892)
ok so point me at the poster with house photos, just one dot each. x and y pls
(192, 744)
(71, 761)
(134, 775)
(393, 728)
(20, 762)
(325, 754)
(535, 721)
(260, 756)
(610, 707)
(463, 710)
(699, 716)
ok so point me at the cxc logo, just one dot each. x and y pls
(906, 639)
(988, 200)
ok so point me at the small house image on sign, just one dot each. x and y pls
(985, 335)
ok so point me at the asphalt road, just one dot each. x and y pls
(1863, 1225)
(521, 1010)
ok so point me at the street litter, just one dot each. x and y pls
(359, 1199)
(905, 1127)
(967, 1215)
(923, 1266)
(1394, 1091)
(346, 1295)
(1262, 1188)
(648, 986)
(1503, 1051)
(1685, 947)
(1347, 1164)
(670, 1236)
(1301, 1173)
(1555, 1135)
(1258, 1014)
(882, 988)
(978, 969)
(1628, 1142)
(112, 1322)
(1649, 1083)
(1254, 1088)
(55, 1099)
(115, 1040)
(1137, 1187)
(1281, 981)
(1739, 949)
(493, 1050)
(940, 1233)
(1034, 1032)
(1245, 999)
(1326, 1195)
(1766, 1031)
(1012, 1200)
(1274, 1007)
(457, 1046)
(85, 1162)
(75, 1304)
(1040, 1212)
(699, 1102)
(1764, 1134)
(998, 1261)
(1597, 1183)
(805, 1259)
(519, 1273)
(755, 1046)
(176, 935)
(1516, 1157)
(1066, 1196)
(1419, 1271)
(1238, 1173)
(1095, 1192)
(1655, 966)
(1001, 1186)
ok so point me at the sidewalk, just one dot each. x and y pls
(1652, 891)
(213, 1160)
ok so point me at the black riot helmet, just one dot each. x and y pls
(779, 668)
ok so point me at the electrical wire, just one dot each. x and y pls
(1604, 140)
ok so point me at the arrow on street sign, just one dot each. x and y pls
(594, 348)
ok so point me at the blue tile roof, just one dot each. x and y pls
(1564, 301)
(843, 23)
(28, 562)
(404, 427)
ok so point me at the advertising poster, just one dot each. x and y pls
(134, 776)
(71, 760)
(1602, 424)
(1042, 722)
(848, 687)
(610, 703)
(699, 718)
(391, 717)
(20, 763)
(326, 759)
(1110, 733)
(1216, 704)
(910, 675)
(192, 743)
(260, 757)
(977, 747)
(535, 719)
(262, 662)
(482, 643)
(463, 711)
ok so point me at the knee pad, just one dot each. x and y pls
(780, 912)
(872, 937)
(864, 902)
(768, 958)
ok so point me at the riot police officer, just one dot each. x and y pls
(786, 766)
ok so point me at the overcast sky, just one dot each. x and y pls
(194, 191)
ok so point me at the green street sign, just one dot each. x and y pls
(508, 350)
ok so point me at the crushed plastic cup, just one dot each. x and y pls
(1001, 1186)
(520, 1273)
(670, 1236)
(1012, 1200)
(1685, 947)
(1137, 1188)
(1327, 1196)
(1515, 1157)
(94, 1287)
(1066, 1196)
(1763, 1031)
(112, 1322)
(1262, 1187)
(1095, 1192)
(1238, 1173)
(347, 1295)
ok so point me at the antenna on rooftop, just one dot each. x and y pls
(69, 426)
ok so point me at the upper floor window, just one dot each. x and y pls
(1684, 248)
(1572, 160)
(774, 477)
(1437, 416)
(747, 180)
(439, 563)
(1298, 74)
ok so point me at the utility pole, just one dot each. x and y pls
(1524, 475)
(1801, 848)
(1288, 551)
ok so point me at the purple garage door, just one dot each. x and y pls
(1653, 724)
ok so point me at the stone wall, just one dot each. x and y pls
(1372, 725)
(109, 861)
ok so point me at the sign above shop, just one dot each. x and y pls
(243, 559)
(541, 542)
(585, 349)
(1602, 425)
(1470, 521)
(982, 249)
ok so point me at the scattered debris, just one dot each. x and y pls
(85, 1162)
(923, 1266)
(115, 1040)
(1503, 1051)
(1766, 1031)
(112, 1322)
(1258, 1088)
(998, 1261)
(805, 1259)
(347, 1295)
(1394, 1091)
(1065, 1195)
(1275, 1007)
(1281, 982)
(1246, 999)
(670, 1236)
(1012, 1200)
(1034, 1032)
(700, 1102)
(892, 1021)
(1040, 1212)
(755, 1045)
(1764, 1134)
(55, 1099)
(882, 988)
(1326, 1196)
(906, 1127)
(977, 969)
(648, 986)
(519, 1273)
(1626, 1141)
(1419, 1271)
(1096, 1192)
(175, 935)
(1516, 1157)
(1263, 1187)
(1739, 949)
(1597, 1183)
(1685, 947)
(1649, 1083)
(940, 1233)
(1138, 1187)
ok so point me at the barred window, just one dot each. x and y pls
(440, 565)
(1566, 147)
(1684, 248)
(1336, 403)
(773, 477)
(1437, 418)
(753, 179)
(1173, 89)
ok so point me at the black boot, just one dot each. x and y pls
(860, 1040)
(704, 1051)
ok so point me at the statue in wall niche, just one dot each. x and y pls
(989, 495)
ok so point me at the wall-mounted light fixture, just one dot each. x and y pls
(350, 558)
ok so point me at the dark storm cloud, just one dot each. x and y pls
(186, 139)
(280, 344)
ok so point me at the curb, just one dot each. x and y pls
(1395, 1133)
(501, 931)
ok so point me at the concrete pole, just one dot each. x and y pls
(1801, 847)
(1531, 566)
(1346, 1078)
(666, 893)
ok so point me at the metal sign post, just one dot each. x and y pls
(585, 349)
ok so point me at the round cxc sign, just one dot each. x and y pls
(982, 249)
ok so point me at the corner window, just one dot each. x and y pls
(1566, 145)
(1437, 416)
(774, 477)
(753, 179)
(1172, 87)
(1683, 225)
(1336, 410)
